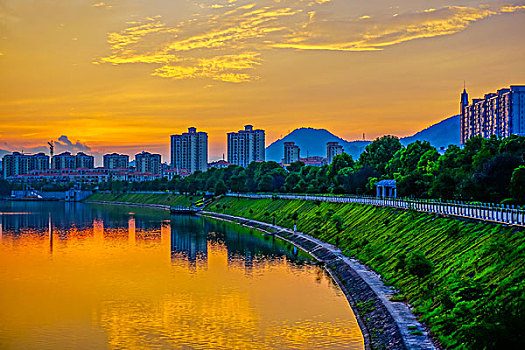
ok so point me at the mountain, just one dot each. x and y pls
(442, 134)
(312, 142)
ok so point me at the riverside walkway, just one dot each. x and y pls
(497, 213)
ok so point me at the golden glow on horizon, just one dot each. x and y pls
(123, 76)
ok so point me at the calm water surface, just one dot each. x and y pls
(90, 277)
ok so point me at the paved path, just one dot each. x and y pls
(400, 312)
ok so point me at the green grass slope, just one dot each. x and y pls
(465, 279)
(144, 198)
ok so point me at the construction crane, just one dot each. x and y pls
(51, 148)
(51, 151)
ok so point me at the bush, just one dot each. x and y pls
(418, 265)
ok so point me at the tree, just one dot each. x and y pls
(117, 187)
(418, 265)
(339, 162)
(517, 184)
(237, 182)
(5, 188)
(265, 184)
(378, 153)
(492, 181)
(295, 166)
(220, 188)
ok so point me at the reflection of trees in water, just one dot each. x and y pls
(190, 235)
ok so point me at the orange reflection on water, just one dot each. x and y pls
(105, 287)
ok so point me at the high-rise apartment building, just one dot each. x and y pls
(291, 153)
(83, 161)
(116, 161)
(501, 114)
(21, 164)
(190, 151)
(333, 149)
(64, 160)
(146, 162)
(40, 161)
(246, 146)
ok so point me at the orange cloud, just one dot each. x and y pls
(374, 35)
(227, 43)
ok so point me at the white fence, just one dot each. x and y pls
(480, 211)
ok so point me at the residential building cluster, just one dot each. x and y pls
(501, 113)
(189, 153)
(80, 168)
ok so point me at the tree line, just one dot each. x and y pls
(488, 170)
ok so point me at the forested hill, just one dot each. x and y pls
(312, 142)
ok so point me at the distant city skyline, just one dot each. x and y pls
(123, 76)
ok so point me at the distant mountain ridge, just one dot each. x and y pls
(312, 142)
(442, 134)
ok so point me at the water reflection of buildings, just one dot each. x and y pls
(65, 219)
(186, 238)
(192, 238)
(189, 239)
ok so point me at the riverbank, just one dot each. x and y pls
(167, 199)
(471, 296)
(385, 324)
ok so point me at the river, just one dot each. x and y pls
(94, 277)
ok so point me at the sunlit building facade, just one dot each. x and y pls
(190, 151)
(501, 114)
(246, 146)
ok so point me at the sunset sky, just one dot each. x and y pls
(122, 75)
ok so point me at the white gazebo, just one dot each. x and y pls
(386, 188)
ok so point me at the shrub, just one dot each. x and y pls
(418, 265)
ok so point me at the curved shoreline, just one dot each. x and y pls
(383, 323)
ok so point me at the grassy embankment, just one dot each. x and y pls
(474, 296)
(144, 198)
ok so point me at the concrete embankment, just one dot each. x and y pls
(385, 324)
